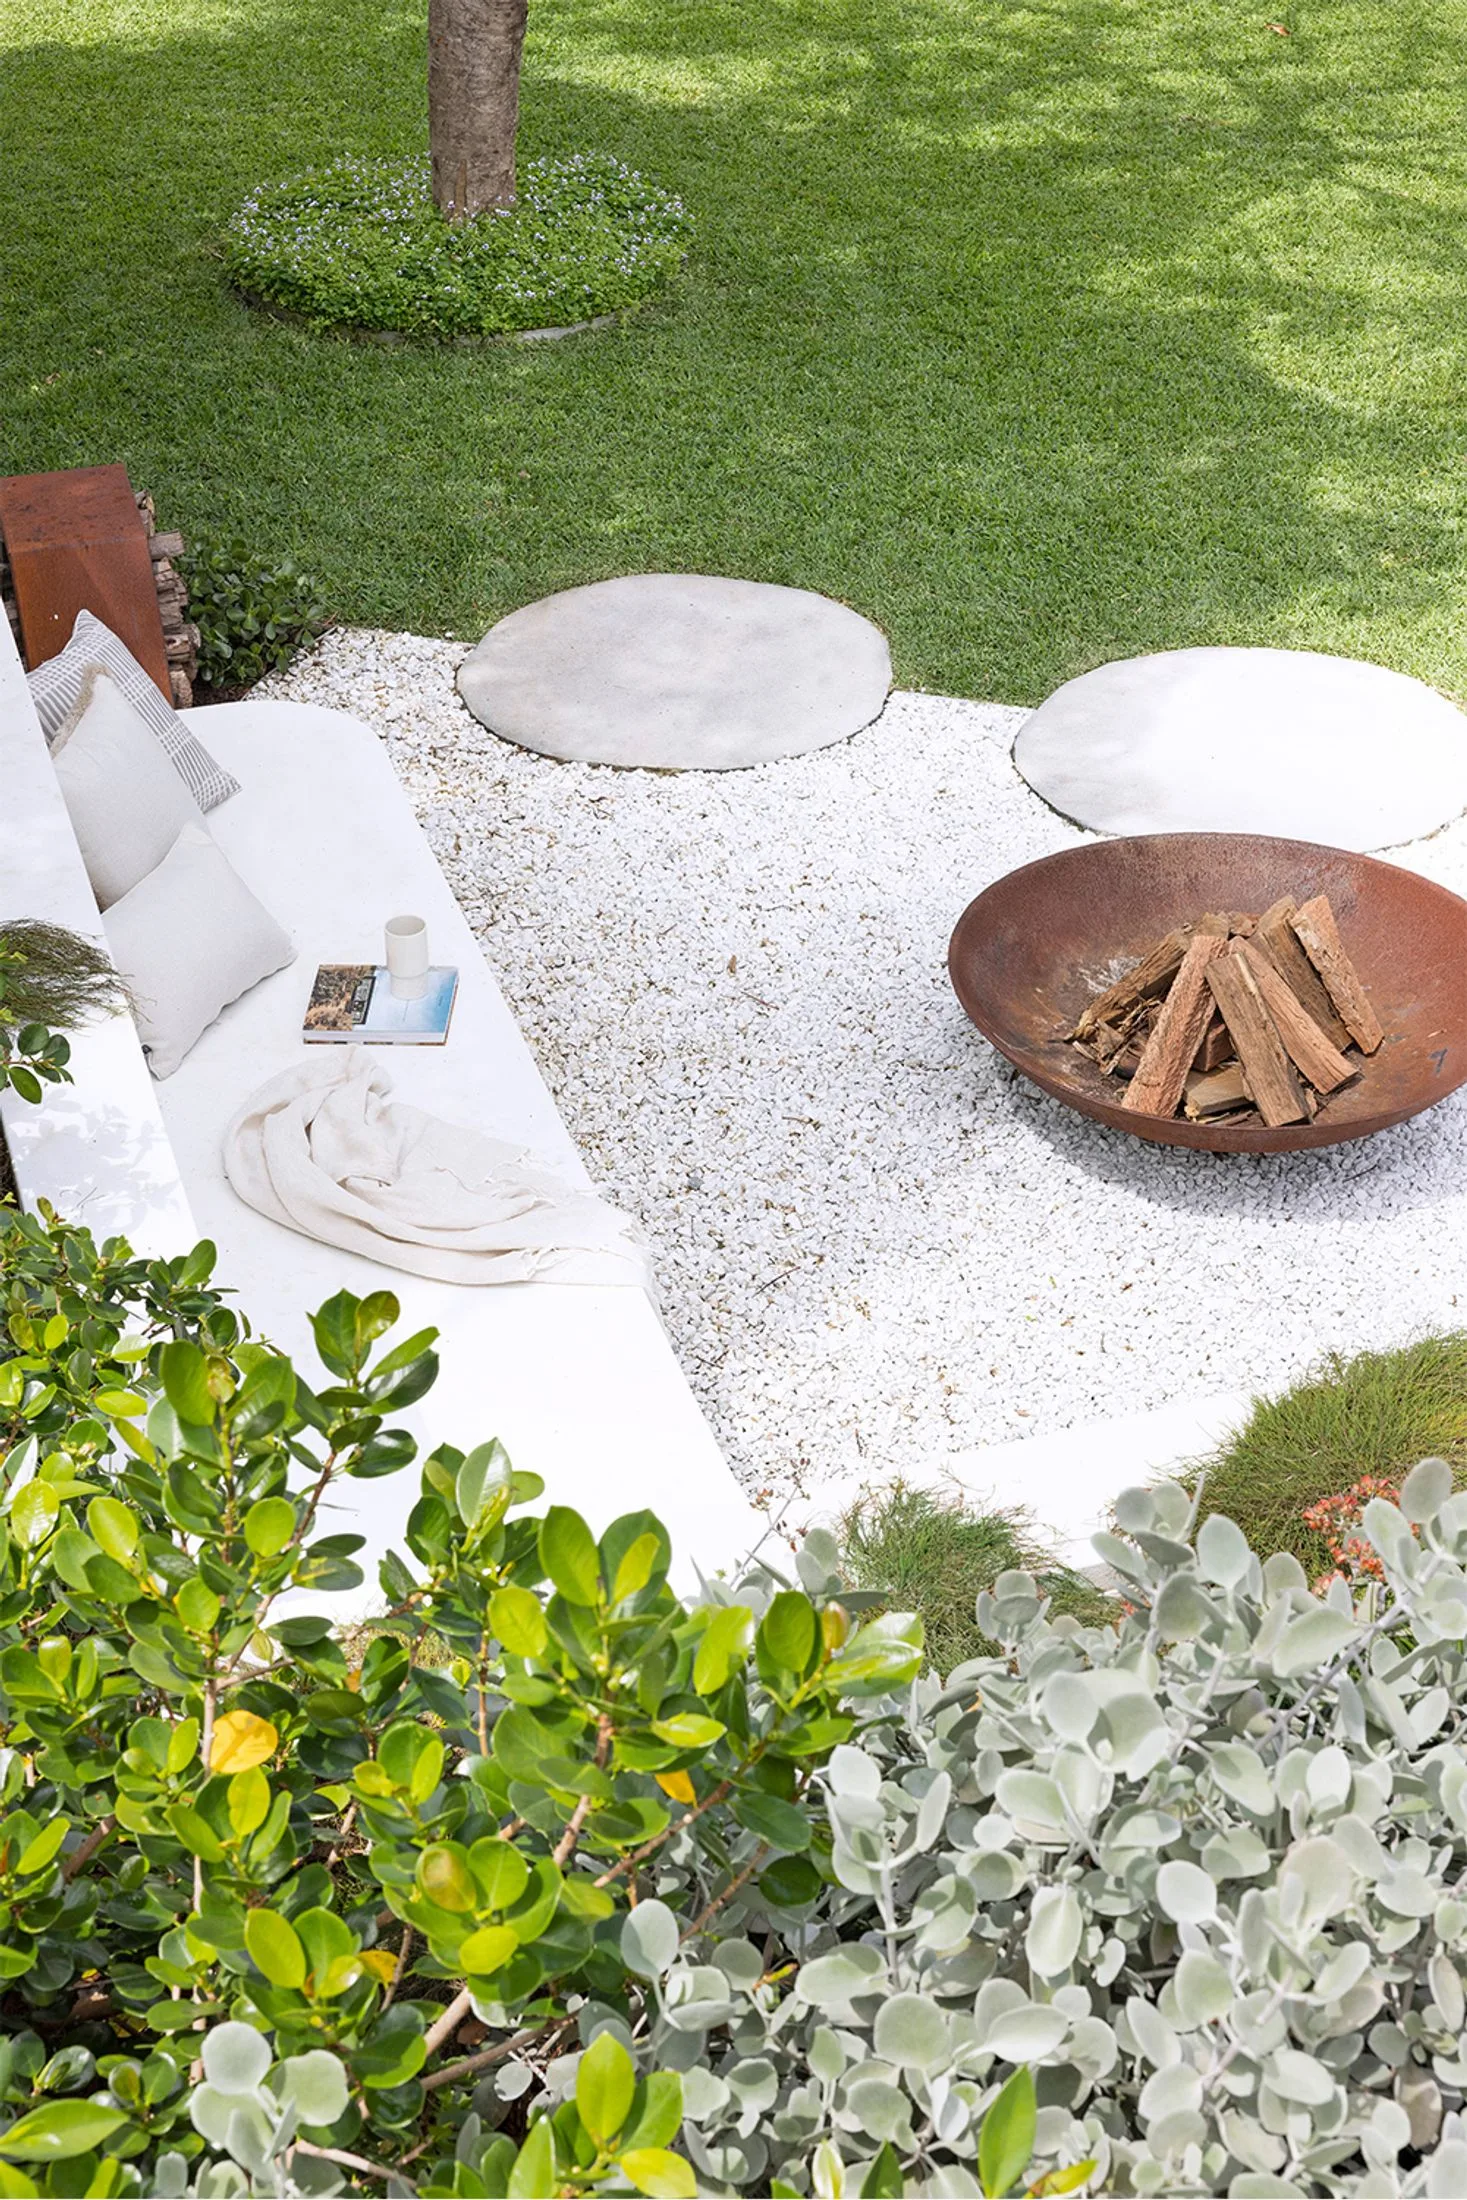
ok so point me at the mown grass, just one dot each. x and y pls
(1375, 1414)
(933, 1555)
(1042, 333)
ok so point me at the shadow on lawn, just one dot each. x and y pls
(1025, 331)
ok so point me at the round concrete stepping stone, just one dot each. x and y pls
(1282, 741)
(678, 672)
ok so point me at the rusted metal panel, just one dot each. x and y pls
(76, 542)
(1028, 954)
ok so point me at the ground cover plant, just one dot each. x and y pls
(1372, 1415)
(361, 245)
(1039, 335)
(733, 1895)
(935, 1555)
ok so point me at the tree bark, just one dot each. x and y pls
(474, 49)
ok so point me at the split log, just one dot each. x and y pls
(1218, 1094)
(1143, 982)
(1314, 925)
(1161, 1073)
(1276, 936)
(1271, 1080)
(1216, 1049)
(1110, 1041)
(1306, 1045)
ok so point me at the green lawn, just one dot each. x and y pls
(1041, 333)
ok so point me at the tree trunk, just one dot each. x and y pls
(474, 51)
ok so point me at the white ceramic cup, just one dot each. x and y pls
(405, 942)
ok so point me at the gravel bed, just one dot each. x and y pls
(878, 1247)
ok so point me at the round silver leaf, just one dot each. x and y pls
(1186, 1894)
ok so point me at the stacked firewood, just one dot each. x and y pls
(1236, 1017)
(180, 636)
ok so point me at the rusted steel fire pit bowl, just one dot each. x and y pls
(1030, 952)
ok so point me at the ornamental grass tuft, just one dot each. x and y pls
(930, 1554)
(360, 244)
(1372, 1415)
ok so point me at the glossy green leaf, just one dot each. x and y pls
(790, 1882)
(269, 1525)
(274, 1948)
(568, 1555)
(446, 1880)
(518, 1619)
(59, 2130)
(659, 2174)
(487, 1950)
(33, 1514)
(636, 1568)
(1006, 2140)
(689, 1730)
(248, 1801)
(195, 1832)
(482, 1480)
(500, 1871)
(783, 1825)
(725, 1639)
(606, 2079)
(533, 2175)
(185, 1373)
(883, 2179)
(1068, 2179)
(659, 2119)
(789, 1632)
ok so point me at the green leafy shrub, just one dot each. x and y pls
(1374, 1414)
(937, 1555)
(252, 616)
(361, 244)
(737, 1900)
(221, 1841)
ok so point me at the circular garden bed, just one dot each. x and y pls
(361, 245)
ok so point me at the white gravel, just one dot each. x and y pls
(877, 1246)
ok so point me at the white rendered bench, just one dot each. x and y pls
(578, 1381)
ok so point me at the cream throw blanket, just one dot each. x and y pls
(324, 1150)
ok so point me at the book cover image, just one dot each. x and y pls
(354, 1004)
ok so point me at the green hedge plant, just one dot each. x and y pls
(551, 1881)
(253, 614)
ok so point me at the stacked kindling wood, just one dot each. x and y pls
(180, 636)
(1236, 1017)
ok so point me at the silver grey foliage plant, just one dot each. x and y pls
(1202, 1873)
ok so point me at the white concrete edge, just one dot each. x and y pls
(1066, 1481)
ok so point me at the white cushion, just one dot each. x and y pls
(57, 683)
(188, 940)
(127, 803)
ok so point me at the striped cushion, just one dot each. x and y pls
(56, 687)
